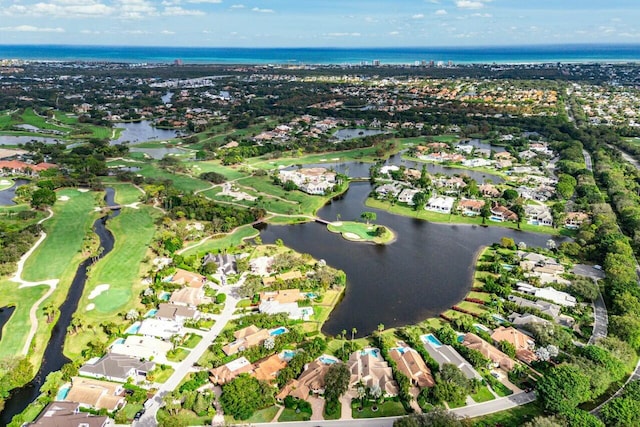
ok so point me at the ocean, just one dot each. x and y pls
(339, 56)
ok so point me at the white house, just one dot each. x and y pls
(290, 308)
(440, 204)
(163, 329)
(406, 196)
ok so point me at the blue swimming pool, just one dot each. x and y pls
(327, 360)
(481, 328)
(371, 352)
(311, 295)
(498, 318)
(118, 341)
(402, 350)
(278, 331)
(431, 339)
(287, 355)
(133, 329)
(495, 218)
(151, 313)
(164, 296)
(63, 392)
(460, 338)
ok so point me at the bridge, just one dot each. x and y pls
(322, 221)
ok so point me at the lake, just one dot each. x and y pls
(426, 271)
(21, 139)
(346, 134)
(143, 131)
(6, 196)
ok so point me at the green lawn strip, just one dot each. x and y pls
(472, 307)
(224, 241)
(335, 344)
(511, 417)
(307, 204)
(483, 395)
(265, 415)
(126, 193)
(177, 355)
(181, 182)
(130, 410)
(291, 415)
(358, 231)
(329, 159)
(434, 323)
(8, 215)
(286, 220)
(5, 183)
(72, 220)
(162, 375)
(389, 408)
(229, 172)
(65, 119)
(31, 118)
(15, 331)
(444, 138)
(480, 295)
(457, 219)
(192, 341)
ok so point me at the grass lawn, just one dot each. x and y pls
(5, 183)
(291, 415)
(121, 269)
(444, 138)
(126, 193)
(472, 307)
(334, 344)
(192, 341)
(16, 329)
(361, 232)
(229, 172)
(162, 375)
(31, 118)
(287, 220)
(71, 222)
(511, 417)
(457, 219)
(177, 355)
(387, 409)
(483, 395)
(434, 323)
(480, 295)
(262, 416)
(131, 409)
(180, 181)
(222, 241)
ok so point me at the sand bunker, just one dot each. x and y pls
(83, 190)
(98, 290)
(4, 182)
(352, 236)
(63, 198)
(337, 223)
(90, 307)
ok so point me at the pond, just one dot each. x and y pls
(346, 134)
(143, 131)
(426, 271)
(6, 196)
(21, 139)
(5, 315)
(479, 144)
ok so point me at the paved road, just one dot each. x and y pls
(153, 404)
(601, 320)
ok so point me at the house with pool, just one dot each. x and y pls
(411, 364)
(446, 354)
(116, 367)
(367, 367)
(245, 338)
(310, 382)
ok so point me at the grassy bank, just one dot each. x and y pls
(361, 232)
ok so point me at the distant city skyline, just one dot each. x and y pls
(315, 23)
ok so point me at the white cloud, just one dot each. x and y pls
(205, 1)
(418, 16)
(440, 12)
(344, 34)
(237, 6)
(178, 11)
(60, 9)
(167, 32)
(32, 29)
(394, 33)
(470, 4)
(257, 9)
(482, 15)
(136, 9)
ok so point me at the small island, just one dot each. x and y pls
(363, 232)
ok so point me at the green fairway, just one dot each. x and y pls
(181, 182)
(15, 331)
(306, 204)
(444, 138)
(223, 242)
(126, 193)
(361, 232)
(229, 172)
(71, 222)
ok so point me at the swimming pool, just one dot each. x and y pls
(327, 360)
(460, 338)
(401, 350)
(63, 392)
(495, 218)
(498, 318)
(133, 329)
(164, 296)
(287, 355)
(431, 339)
(371, 352)
(311, 295)
(278, 331)
(481, 328)
(151, 313)
(118, 341)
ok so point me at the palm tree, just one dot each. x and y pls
(380, 327)
(353, 332)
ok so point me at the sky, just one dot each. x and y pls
(318, 23)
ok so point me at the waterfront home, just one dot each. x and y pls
(176, 313)
(450, 185)
(549, 293)
(282, 296)
(225, 373)
(246, 338)
(477, 163)
(289, 275)
(141, 347)
(316, 181)
(190, 297)
(226, 263)
(470, 207)
(440, 204)
(371, 370)
(538, 215)
(445, 354)
(291, 309)
(406, 196)
(116, 367)
(573, 220)
(16, 167)
(68, 414)
(544, 307)
(501, 214)
(518, 319)
(393, 189)
(96, 394)
(410, 363)
(523, 344)
(187, 278)
(163, 329)
(474, 342)
(311, 380)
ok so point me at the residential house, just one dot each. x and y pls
(518, 319)
(267, 369)
(190, 297)
(176, 313)
(470, 207)
(501, 214)
(246, 338)
(187, 278)
(226, 263)
(573, 220)
(393, 189)
(538, 215)
(544, 307)
(163, 329)
(440, 204)
(548, 293)
(96, 394)
(445, 354)
(372, 371)
(291, 309)
(16, 167)
(523, 343)
(489, 190)
(67, 414)
(310, 180)
(289, 275)
(474, 342)
(116, 367)
(406, 196)
(410, 363)
(141, 347)
(225, 373)
(311, 380)
(282, 296)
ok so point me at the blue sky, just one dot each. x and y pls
(349, 23)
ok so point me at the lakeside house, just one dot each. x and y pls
(445, 354)
(538, 215)
(518, 319)
(68, 414)
(440, 204)
(548, 293)
(500, 213)
(470, 207)
(367, 367)
(282, 296)
(96, 394)
(406, 196)
(246, 338)
(315, 181)
(574, 220)
(16, 167)
(410, 363)
(523, 344)
(289, 275)
(291, 309)
(116, 367)
(489, 190)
